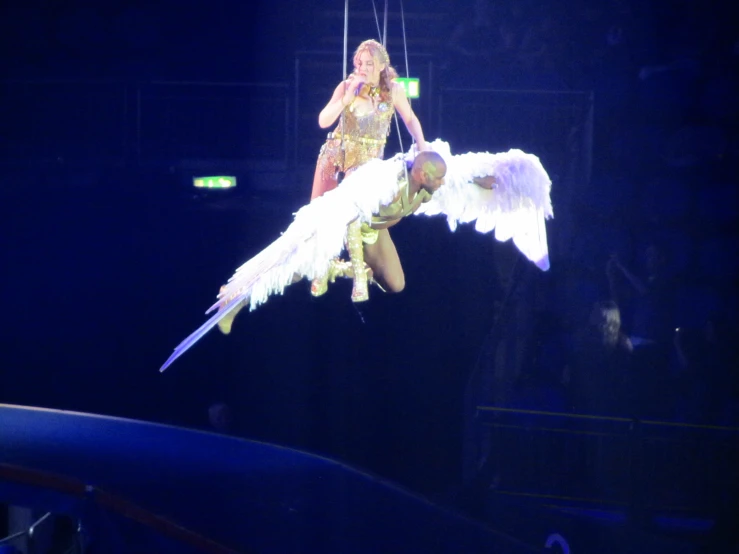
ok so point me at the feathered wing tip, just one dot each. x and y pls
(316, 235)
(516, 208)
(307, 246)
(530, 238)
(185, 345)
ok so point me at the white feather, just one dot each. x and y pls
(316, 235)
(516, 209)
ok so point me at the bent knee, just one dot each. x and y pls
(396, 283)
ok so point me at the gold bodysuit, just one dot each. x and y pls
(399, 208)
(364, 139)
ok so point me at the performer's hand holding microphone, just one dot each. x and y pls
(354, 86)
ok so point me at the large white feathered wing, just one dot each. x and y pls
(516, 208)
(307, 246)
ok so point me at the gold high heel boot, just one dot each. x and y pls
(225, 323)
(319, 285)
(355, 247)
(336, 268)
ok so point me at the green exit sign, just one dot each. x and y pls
(216, 182)
(412, 86)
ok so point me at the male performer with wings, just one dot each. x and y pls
(508, 192)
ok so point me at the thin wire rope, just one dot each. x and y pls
(407, 74)
(377, 22)
(405, 42)
(384, 28)
(407, 69)
(345, 76)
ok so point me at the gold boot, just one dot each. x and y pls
(225, 323)
(355, 247)
(319, 285)
(336, 268)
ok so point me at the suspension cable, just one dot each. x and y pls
(384, 28)
(377, 22)
(342, 146)
(407, 68)
(383, 37)
(405, 42)
(346, 37)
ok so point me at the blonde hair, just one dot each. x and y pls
(606, 318)
(379, 54)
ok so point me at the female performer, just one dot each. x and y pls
(367, 99)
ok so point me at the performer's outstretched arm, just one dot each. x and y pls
(487, 182)
(400, 100)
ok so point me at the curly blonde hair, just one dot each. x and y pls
(380, 55)
(606, 319)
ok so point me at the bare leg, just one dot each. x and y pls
(323, 180)
(383, 258)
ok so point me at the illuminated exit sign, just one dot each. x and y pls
(216, 182)
(412, 86)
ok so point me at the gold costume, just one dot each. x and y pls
(364, 139)
(360, 232)
(399, 208)
(402, 206)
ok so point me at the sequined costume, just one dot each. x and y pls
(396, 210)
(401, 206)
(364, 139)
(360, 232)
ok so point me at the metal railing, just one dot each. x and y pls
(555, 125)
(160, 122)
(83, 498)
(233, 121)
(646, 465)
(164, 123)
(64, 120)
